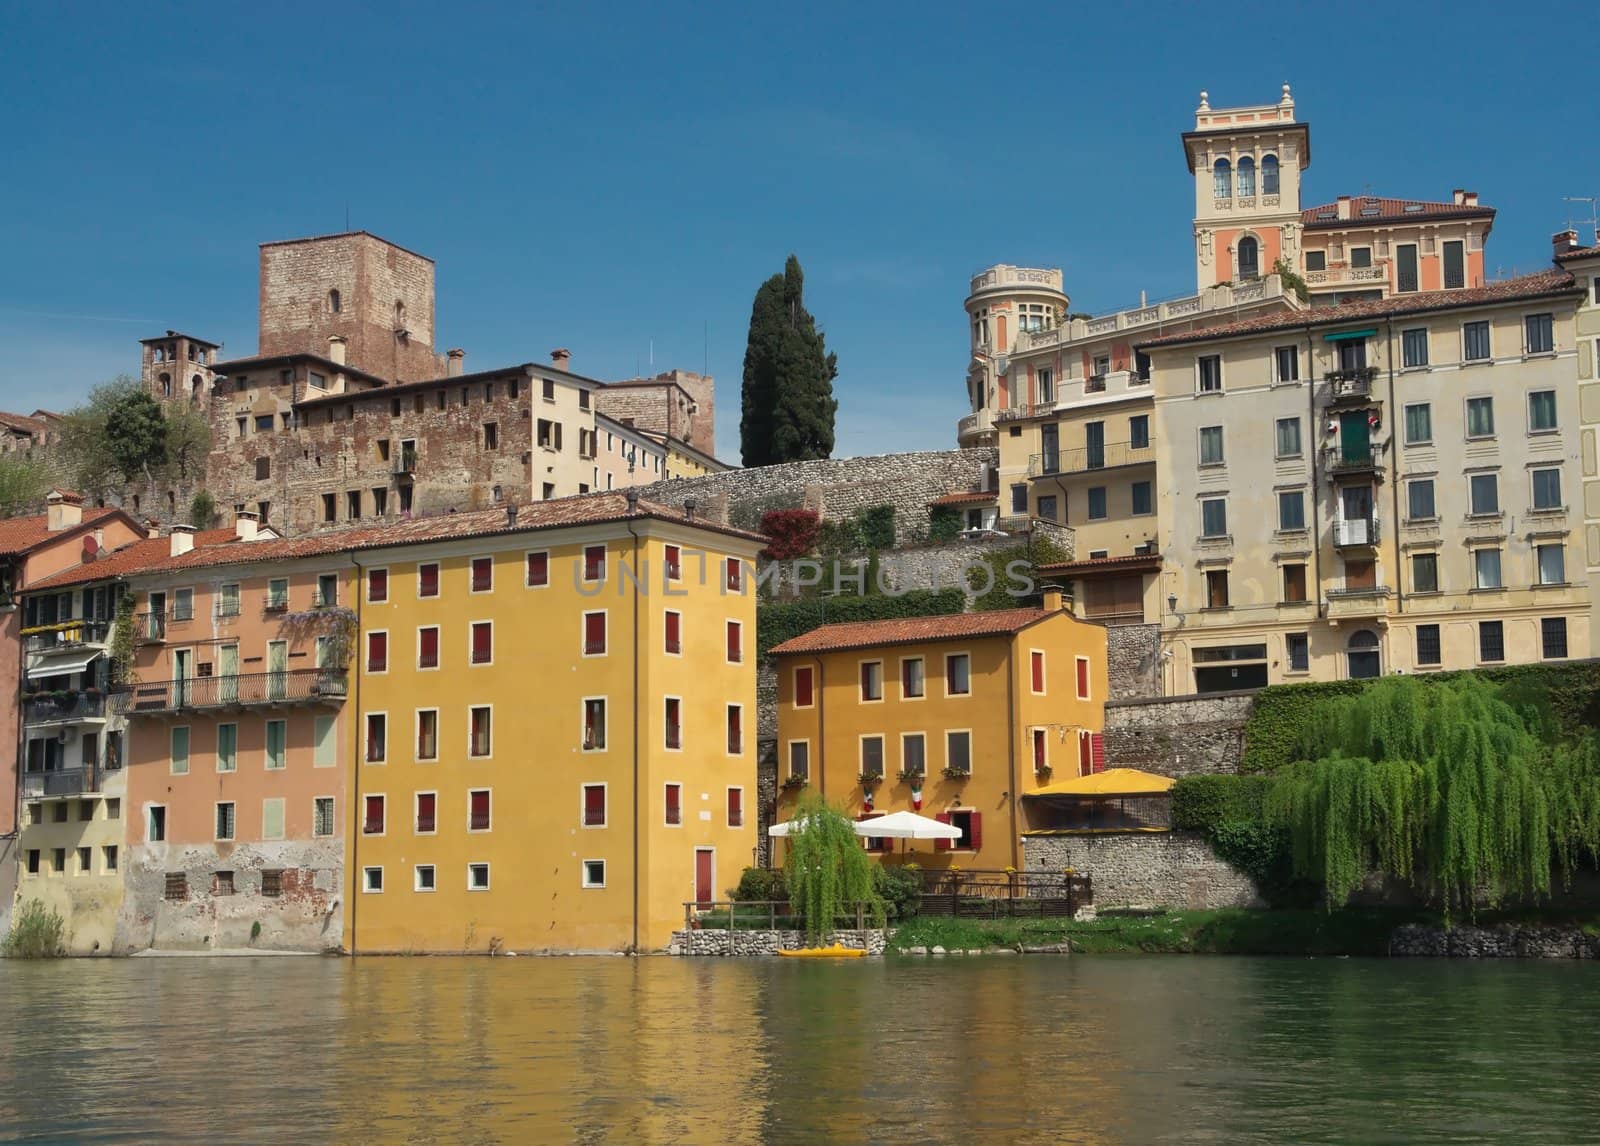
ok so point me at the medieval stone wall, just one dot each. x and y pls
(1178, 736)
(1173, 870)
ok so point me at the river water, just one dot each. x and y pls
(1020, 1049)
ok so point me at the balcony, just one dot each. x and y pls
(1352, 460)
(60, 782)
(1343, 276)
(66, 635)
(974, 425)
(405, 463)
(150, 628)
(62, 707)
(265, 689)
(1353, 604)
(1356, 533)
(1351, 386)
(1112, 455)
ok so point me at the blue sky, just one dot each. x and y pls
(602, 178)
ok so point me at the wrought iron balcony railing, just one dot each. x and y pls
(292, 686)
(67, 634)
(1086, 458)
(56, 707)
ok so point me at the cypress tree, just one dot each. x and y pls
(787, 401)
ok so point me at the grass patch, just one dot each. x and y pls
(36, 932)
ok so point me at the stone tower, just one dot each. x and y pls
(177, 367)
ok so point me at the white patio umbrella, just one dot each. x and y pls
(781, 831)
(906, 826)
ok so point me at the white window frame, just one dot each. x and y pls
(584, 879)
(471, 561)
(471, 708)
(416, 831)
(367, 871)
(486, 885)
(583, 805)
(472, 664)
(416, 877)
(605, 728)
(472, 831)
(388, 586)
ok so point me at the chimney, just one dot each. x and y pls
(561, 359)
(63, 510)
(182, 539)
(1469, 198)
(1458, 197)
(1564, 241)
(689, 506)
(1052, 600)
(453, 367)
(511, 514)
(245, 525)
(1344, 206)
(336, 346)
(632, 494)
(152, 528)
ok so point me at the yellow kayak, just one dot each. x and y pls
(824, 953)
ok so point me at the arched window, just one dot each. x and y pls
(166, 385)
(1247, 177)
(333, 301)
(1222, 180)
(1362, 653)
(195, 386)
(1269, 174)
(1249, 258)
(399, 315)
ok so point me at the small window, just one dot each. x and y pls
(1547, 489)
(155, 825)
(1553, 637)
(594, 562)
(804, 694)
(1291, 509)
(736, 807)
(263, 469)
(1214, 517)
(1491, 641)
(428, 647)
(594, 873)
(1419, 423)
(1455, 265)
(958, 674)
(735, 722)
(594, 634)
(672, 725)
(1360, 257)
(480, 741)
(594, 724)
(491, 435)
(1209, 368)
(672, 632)
(673, 814)
(277, 745)
(1047, 510)
(1429, 650)
(179, 755)
(425, 878)
(872, 756)
(227, 747)
(352, 505)
(1414, 348)
(1019, 499)
(278, 594)
(1540, 333)
(735, 643)
(428, 579)
(177, 885)
(594, 805)
(1485, 492)
(1211, 448)
(1286, 360)
(478, 810)
(1486, 568)
(377, 585)
(800, 759)
(372, 823)
(1480, 417)
(108, 853)
(958, 752)
(482, 642)
(538, 570)
(1541, 411)
(334, 303)
(1143, 498)
(871, 680)
(1552, 562)
(1294, 584)
(428, 734)
(1475, 342)
(1081, 665)
(477, 877)
(1036, 675)
(733, 574)
(1217, 589)
(322, 816)
(377, 652)
(225, 820)
(427, 808)
(1298, 647)
(1419, 500)
(482, 574)
(1316, 260)
(372, 879)
(1288, 437)
(1097, 504)
(1424, 572)
(1139, 432)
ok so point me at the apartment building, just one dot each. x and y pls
(557, 742)
(1583, 263)
(1377, 487)
(625, 456)
(958, 717)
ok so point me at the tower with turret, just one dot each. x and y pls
(1006, 306)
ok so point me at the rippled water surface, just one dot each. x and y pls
(1030, 1049)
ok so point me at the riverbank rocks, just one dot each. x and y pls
(705, 941)
(1507, 942)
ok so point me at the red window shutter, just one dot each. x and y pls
(735, 808)
(735, 736)
(802, 687)
(482, 574)
(1085, 754)
(975, 830)
(378, 585)
(866, 682)
(674, 632)
(480, 810)
(538, 569)
(377, 652)
(674, 562)
(735, 645)
(594, 805)
(428, 649)
(674, 723)
(482, 642)
(1038, 747)
(428, 581)
(1097, 751)
(594, 562)
(594, 633)
(1038, 672)
(735, 573)
(1083, 680)
(943, 845)
(674, 805)
(374, 816)
(426, 805)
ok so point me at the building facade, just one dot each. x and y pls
(1584, 265)
(955, 717)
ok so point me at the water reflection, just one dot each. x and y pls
(601, 1050)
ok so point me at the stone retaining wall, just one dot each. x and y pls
(1178, 735)
(710, 942)
(1133, 660)
(1531, 942)
(1175, 870)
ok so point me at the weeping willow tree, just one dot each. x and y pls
(1443, 785)
(827, 870)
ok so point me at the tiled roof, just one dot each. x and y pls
(1371, 209)
(20, 534)
(1105, 564)
(152, 556)
(22, 422)
(910, 630)
(1578, 253)
(972, 497)
(1543, 284)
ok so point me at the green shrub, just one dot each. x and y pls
(877, 526)
(900, 888)
(944, 523)
(760, 883)
(1000, 592)
(1203, 803)
(37, 932)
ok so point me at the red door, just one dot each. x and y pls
(704, 863)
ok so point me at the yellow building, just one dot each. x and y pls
(956, 717)
(556, 723)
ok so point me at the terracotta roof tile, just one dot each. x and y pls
(1109, 564)
(1578, 253)
(910, 630)
(154, 555)
(972, 497)
(1378, 210)
(1545, 283)
(22, 422)
(20, 534)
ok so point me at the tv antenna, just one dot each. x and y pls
(1593, 219)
